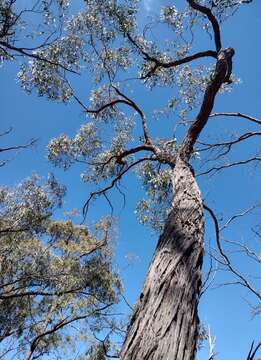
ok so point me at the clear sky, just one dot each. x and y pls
(224, 309)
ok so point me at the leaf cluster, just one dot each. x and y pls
(53, 273)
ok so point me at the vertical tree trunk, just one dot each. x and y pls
(165, 322)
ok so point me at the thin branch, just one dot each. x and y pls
(17, 147)
(221, 167)
(158, 63)
(60, 325)
(103, 107)
(105, 346)
(122, 194)
(35, 56)
(109, 202)
(236, 216)
(244, 281)
(11, 230)
(207, 281)
(140, 112)
(4, 162)
(249, 252)
(6, 132)
(127, 101)
(114, 181)
(119, 157)
(229, 144)
(237, 114)
(225, 147)
(253, 351)
(170, 64)
(212, 346)
(43, 293)
(127, 303)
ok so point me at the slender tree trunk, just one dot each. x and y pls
(165, 322)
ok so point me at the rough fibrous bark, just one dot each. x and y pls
(164, 323)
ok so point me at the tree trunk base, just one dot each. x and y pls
(165, 321)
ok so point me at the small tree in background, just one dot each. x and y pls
(54, 274)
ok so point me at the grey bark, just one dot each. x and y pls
(165, 321)
(164, 324)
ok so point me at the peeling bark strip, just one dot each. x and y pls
(164, 324)
(165, 321)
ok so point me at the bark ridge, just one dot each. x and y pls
(164, 323)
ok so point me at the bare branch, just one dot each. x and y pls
(253, 351)
(127, 303)
(170, 64)
(114, 181)
(252, 254)
(207, 281)
(226, 166)
(243, 280)
(17, 147)
(103, 107)
(11, 230)
(237, 114)
(119, 157)
(212, 346)
(226, 146)
(229, 144)
(6, 132)
(40, 293)
(4, 162)
(243, 213)
(127, 101)
(105, 346)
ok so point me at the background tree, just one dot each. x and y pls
(107, 39)
(56, 280)
(54, 274)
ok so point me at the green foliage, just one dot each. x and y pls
(153, 210)
(52, 273)
(92, 145)
(105, 38)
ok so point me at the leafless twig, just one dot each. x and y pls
(253, 350)
(237, 114)
(230, 165)
(242, 280)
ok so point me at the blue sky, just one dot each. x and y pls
(224, 309)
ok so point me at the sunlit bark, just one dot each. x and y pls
(165, 322)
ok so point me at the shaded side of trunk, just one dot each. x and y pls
(165, 321)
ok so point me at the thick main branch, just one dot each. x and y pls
(221, 75)
(215, 25)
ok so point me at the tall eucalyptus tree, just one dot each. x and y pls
(108, 39)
